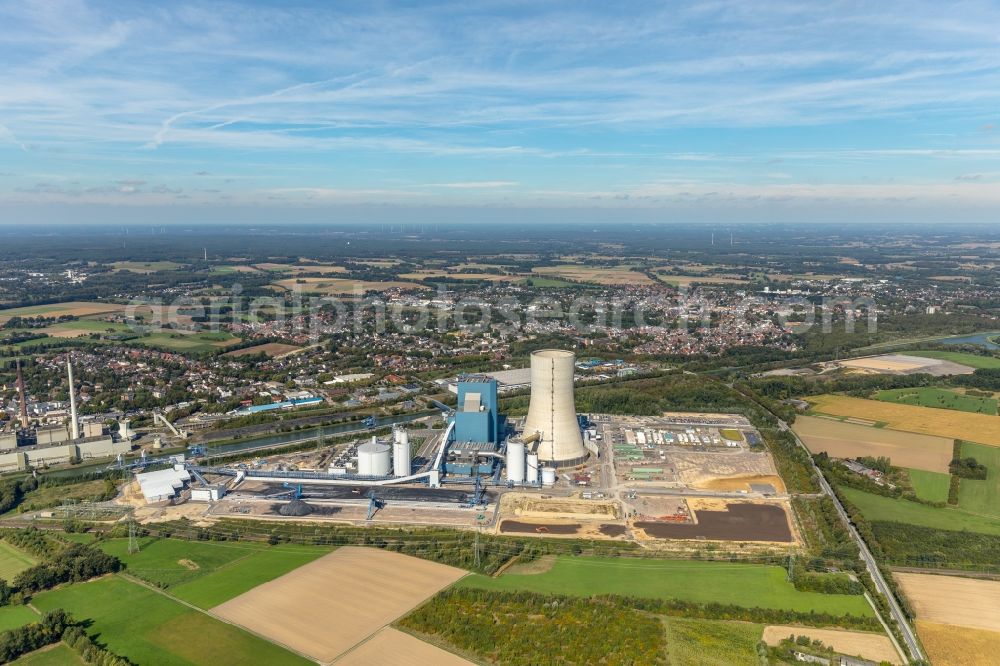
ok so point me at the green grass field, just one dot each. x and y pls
(13, 561)
(702, 582)
(12, 617)
(55, 655)
(146, 266)
(712, 642)
(151, 628)
(939, 398)
(547, 282)
(212, 571)
(982, 497)
(93, 325)
(930, 486)
(963, 358)
(876, 507)
(190, 342)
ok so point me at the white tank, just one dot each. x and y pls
(532, 470)
(515, 461)
(552, 410)
(548, 476)
(373, 459)
(401, 465)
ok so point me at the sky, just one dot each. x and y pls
(714, 111)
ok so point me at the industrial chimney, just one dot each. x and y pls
(74, 424)
(23, 396)
(552, 411)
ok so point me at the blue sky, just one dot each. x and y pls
(703, 111)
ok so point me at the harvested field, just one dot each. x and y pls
(738, 522)
(340, 286)
(947, 645)
(317, 610)
(982, 428)
(875, 647)
(742, 482)
(965, 602)
(491, 277)
(271, 349)
(688, 280)
(850, 440)
(53, 310)
(595, 274)
(391, 646)
(901, 364)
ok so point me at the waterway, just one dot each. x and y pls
(981, 339)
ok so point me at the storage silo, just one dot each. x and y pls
(531, 474)
(552, 410)
(373, 459)
(401, 461)
(515, 461)
(548, 476)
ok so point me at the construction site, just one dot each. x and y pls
(651, 480)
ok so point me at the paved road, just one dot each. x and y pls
(897, 613)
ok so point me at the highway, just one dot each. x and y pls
(897, 613)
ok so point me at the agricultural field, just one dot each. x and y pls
(144, 625)
(851, 440)
(688, 280)
(940, 399)
(81, 327)
(340, 286)
(195, 343)
(208, 573)
(938, 422)
(317, 609)
(270, 349)
(701, 582)
(963, 602)
(903, 364)
(15, 616)
(948, 645)
(52, 655)
(618, 275)
(53, 310)
(962, 358)
(234, 269)
(930, 486)
(712, 642)
(981, 497)
(392, 646)
(874, 647)
(299, 269)
(430, 274)
(13, 561)
(876, 507)
(146, 266)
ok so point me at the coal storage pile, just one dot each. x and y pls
(295, 508)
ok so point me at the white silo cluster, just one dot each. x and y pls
(401, 458)
(381, 459)
(531, 473)
(515, 461)
(373, 458)
(552, 410)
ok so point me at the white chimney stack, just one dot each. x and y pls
(74, 424)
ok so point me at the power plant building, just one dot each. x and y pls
(552, 410)
(477, 417)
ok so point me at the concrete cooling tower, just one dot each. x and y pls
(552, 411)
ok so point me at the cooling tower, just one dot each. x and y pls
(552, 412)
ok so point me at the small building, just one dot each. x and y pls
(209, 493)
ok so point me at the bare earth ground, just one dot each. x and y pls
(876, 647)
(947, 645)
(966, 602)
(901, 364)
(850, 440)
(742, 482)
(694, 468)
(982, 428)
(328, 606)
(391, 646)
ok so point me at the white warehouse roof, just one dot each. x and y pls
(162, 484)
